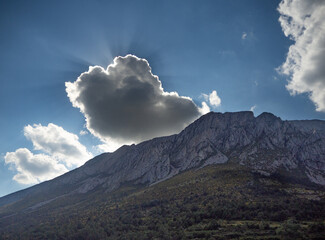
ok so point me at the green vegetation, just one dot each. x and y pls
(216, 202)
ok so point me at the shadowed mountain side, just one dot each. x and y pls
(221, 201)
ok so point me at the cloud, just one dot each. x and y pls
(83, 132)
(205, 108)
(33, 168)
(109, 145)
(252, 109)
(58, 143)
(244, 36)
(213, 98)
(62, 151)
(126, 103)
(304, 22)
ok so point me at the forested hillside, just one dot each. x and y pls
(216, 202)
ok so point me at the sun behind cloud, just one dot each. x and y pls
(126, 103)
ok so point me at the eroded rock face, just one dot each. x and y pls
(265, 144)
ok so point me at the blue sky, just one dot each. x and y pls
(194, 47)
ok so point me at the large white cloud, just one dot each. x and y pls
(126, 103)
(33, 168)
(62, 150)
(59, 143)
(304, 22)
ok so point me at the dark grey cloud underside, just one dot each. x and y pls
(126, 102)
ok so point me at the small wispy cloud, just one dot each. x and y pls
(83, 132)
(205, 108)
(253, 108)
(213, 99)
(244, 36)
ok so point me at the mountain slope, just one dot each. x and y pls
(223, 201)
(265, 144)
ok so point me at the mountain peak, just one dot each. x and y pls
(229, 117)
(241, 114)
(267, 116)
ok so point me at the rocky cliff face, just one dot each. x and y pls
(266, 144)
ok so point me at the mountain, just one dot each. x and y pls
(291, 152)
(266, 144)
